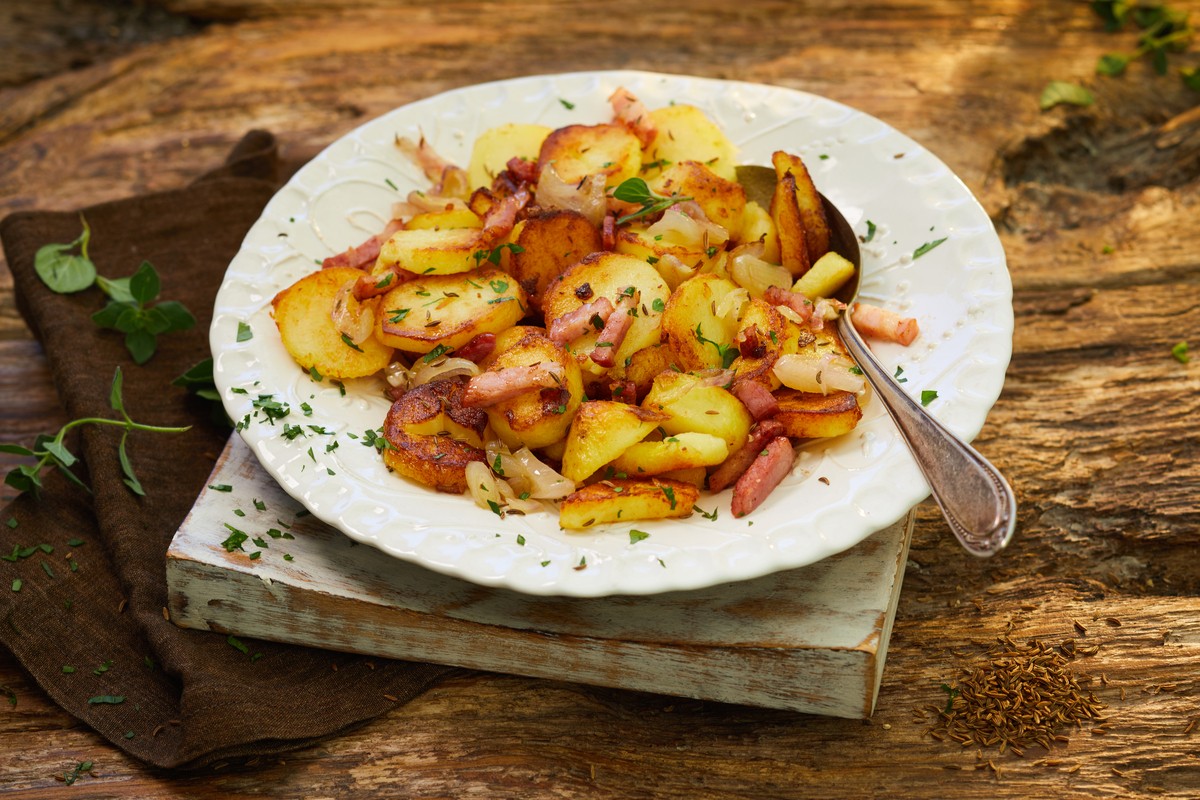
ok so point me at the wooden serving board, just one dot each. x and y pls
(812, 639)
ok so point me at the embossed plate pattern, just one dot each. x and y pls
(840, 491)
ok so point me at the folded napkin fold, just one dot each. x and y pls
(86, 613)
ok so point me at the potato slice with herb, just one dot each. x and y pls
(443, 312)
(698, 336)
(431, 437)
(627, 501)
(601, 431)
(689, 405)
(303, 314)
(722, 200)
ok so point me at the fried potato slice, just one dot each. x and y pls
(722, 200)
(444, 220)
(431, 251)
(601, 431)
(608, 275)
(811, 415)
(547, 244)
(699, 337)
(536, 418)
(627, 501)
(447, 311)
(689, 405)
(494, 147)
(829, 273)
(681, 451)
(764, 329)
(579, 151)
(757, 225)
(685, 132)
(431, 437)
(303, 314)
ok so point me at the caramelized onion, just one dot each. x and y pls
(755, 275)
(586, 197)
(443, 368)
(821, 374)
(352, 319)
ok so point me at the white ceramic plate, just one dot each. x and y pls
(840, 491)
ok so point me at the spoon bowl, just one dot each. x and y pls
(976, 501)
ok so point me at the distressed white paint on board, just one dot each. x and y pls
(812, 639)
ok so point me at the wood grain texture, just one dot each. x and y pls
(1096, 425)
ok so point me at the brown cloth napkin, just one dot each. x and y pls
(88, 619)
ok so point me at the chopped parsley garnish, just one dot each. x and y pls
(928, 396)
(925, 248)
(636, 536)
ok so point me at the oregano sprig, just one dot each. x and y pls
(65, 271)
(637, 191)
(52, 452)
(129, 311)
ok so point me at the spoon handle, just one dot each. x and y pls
(975, 499)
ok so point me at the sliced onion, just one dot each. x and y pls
(586, 197)
(818, 374)
(789, 313)
(677, 228)
(756, 276)
(673, 270)
(397, 375)
(714, 377)
(481, 483)
(731, 306)
(442, 369)
(351, 318)
(544, 482)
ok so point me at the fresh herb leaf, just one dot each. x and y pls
(1057, 92)
(567, 104)
(928, 396)
(141, 322)
(925, 248)
(636, 536)
(1180, 352)
(636, 191)
(62, 270)
(245, 333)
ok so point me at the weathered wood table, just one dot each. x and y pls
(1096, 427)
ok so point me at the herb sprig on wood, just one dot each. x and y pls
(52, 453)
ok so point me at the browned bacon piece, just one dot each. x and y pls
(732, 468)
(757, 399)
(770, 466)
(632, 113)
(615, 328)
(880, 323)
(575, 323)
(608, 234)
(363, 256)
(794, 300)
(500, 218)
(478, 348)
(522, 170)
(495, 386)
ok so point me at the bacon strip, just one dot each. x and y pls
(478, 348)
(631, 113)
(757, 399)
(447, 179)
(523, 170)
(771, 466)
(363, 256)
(880, 323)
(738, 462)
(500, 218)
(794, 300)
(496, 386)
(615, 328)
(608, 234)
(750, 343)
(576, 323)
(369, 285)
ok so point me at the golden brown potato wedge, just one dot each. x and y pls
(578, 151)
(797, 208)
(809, 415)
(444, 312)
(601, 431)
(432, 437)
(303, 314)
(547, 244)
(539, 417)
(627, 501)
(757, 225)
(829, 273)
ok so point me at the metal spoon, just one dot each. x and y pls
(975, 499)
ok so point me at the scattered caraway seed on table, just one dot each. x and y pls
(1021, 695)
